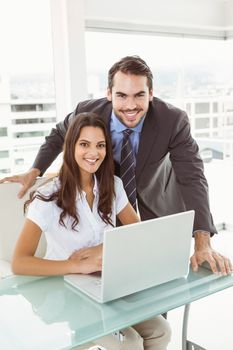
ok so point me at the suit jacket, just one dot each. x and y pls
(169, 170)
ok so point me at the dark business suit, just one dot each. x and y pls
(169, 170)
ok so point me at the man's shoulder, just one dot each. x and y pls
(164, 106)
(93, 105)
(166, 112)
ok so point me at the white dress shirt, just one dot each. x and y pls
(63, 241)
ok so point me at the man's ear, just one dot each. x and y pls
(151, 95)
(109, 94)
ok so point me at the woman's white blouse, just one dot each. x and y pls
(63, 241)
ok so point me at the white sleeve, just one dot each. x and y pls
(39, 213)
(121, 196)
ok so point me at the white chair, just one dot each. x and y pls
(11, 222)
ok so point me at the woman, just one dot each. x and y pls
(73, 211)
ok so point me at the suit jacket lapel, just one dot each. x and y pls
(147, 139)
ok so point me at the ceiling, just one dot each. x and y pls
(200, 18)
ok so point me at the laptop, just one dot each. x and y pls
(139, 256)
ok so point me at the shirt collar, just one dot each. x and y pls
(95, 189)
(117, 126)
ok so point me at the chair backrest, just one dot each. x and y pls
(12, 219)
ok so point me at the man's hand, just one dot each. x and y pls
(87, 260)
(27, 180)
(204, 252)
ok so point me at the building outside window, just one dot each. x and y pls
(3, 132)
(202, 107)
(27, 96)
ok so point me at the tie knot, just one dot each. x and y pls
(127, 132)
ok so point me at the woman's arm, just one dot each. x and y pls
(128, 215)
(25, 263)
(92, 257)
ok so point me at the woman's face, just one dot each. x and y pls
(90, 149)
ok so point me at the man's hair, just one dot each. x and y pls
(131, 65)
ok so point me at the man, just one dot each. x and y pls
(169, 174)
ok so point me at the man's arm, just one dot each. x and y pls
(193, 185)
(189, 171)
(27, 180)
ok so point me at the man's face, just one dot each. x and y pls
(130, 96)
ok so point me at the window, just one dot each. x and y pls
(202, 107)
(188, 108)
(23, 108)
(4, 171)
(215, 107)
(32, 107)
(229, 120)
(202, 135)
(215, 122)
(202, 123)
(34, 120)
(3, 132)
(30, 134)
(19, 161)
(27, 93)
(4, 154)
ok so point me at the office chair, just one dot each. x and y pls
(11, 222)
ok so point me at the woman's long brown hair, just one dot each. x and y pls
(69, 175)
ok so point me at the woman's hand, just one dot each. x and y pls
(87, 260)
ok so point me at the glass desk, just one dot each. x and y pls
(49, 314)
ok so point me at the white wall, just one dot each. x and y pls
(229, 13)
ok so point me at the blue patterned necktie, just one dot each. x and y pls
(127, 168)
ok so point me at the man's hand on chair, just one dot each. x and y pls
(27, 180)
